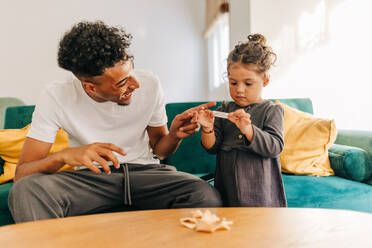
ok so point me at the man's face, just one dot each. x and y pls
(116, 84)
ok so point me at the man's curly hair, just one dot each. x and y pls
(91, 47)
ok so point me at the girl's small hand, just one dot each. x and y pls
(242, 120)
(205, 118)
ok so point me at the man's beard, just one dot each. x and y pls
(123, 104)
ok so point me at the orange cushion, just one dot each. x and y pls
(306, 143)
(11, 143)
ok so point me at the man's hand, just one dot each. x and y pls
(185, 124)
(96, 152)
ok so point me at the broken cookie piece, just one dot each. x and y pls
(205, 222)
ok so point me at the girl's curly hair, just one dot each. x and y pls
(254, 51)
(91, 47)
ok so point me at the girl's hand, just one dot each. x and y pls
(242, 120)
(205, 118)
(185, 124)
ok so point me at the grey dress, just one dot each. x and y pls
(248, 173)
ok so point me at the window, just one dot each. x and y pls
(324, 52)
(218, 50)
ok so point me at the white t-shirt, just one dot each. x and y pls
(66, 105)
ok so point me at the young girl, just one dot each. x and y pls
(249, 142)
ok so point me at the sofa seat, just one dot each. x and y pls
(330, 192)
(327, 192)
(5, 217)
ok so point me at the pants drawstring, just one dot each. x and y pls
(127, 197)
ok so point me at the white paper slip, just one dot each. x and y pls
(220, 114)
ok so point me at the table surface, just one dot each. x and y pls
(253, 227)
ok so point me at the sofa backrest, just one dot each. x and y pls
(18, 117)
(190, 156)
(5, 102)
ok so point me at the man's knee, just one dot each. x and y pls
(19, 196)
(22, 188)
(29, 198)
(28, 187)
(206, 194)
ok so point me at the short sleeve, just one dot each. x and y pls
(44, 125)
(159, 115)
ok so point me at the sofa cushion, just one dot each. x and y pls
(306, 143)
(327, 192)
(350, 162)
(8, 172)
(11, 143)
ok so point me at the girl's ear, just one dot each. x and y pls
(266, 81)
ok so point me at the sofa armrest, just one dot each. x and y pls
(357, 138)
(350, 162)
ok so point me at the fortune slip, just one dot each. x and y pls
(220, 114)
(205, 222)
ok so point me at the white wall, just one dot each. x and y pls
(324, 52)
(240, 21)
(167, 40)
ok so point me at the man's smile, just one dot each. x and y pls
(126, 95)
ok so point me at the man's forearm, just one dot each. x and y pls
(166, 146)
(50, 164)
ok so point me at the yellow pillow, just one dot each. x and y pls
(306, 143)
(8, 172)
(11, 143)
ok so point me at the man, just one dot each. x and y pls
(116, 121)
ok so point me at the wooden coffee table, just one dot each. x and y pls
(253, 227)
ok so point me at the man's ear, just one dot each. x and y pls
(89, 87)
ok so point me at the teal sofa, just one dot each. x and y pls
(350, 158)
(6, 102)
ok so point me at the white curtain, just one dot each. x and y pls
(215, 9)
(217, 34)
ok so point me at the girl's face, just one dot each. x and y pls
(245, 83)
